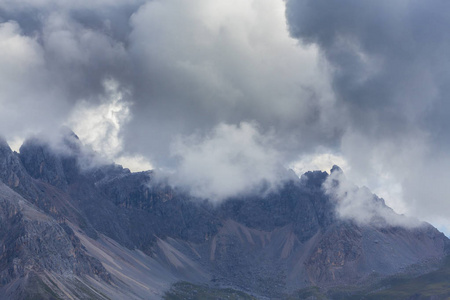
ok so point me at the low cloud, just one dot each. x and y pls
(65, 143)
(322, 159)
(99, 125)
(366, 81)
(48, 65)
(200, 63)
(26, 95)
(187, 65)
(228, 161)
(360, 205)
(391, 77)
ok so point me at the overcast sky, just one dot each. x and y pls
(229, 92)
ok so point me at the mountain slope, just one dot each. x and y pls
(86, 228)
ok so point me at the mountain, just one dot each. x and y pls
(75, 227)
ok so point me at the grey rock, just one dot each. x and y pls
(70, 219)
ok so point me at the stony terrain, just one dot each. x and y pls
(74, 227)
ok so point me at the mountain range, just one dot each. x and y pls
(73, 226)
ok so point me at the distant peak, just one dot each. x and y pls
(337, 169)
(3, 143)
(4, 147)
(69, 139)
(61, 142)
(66, 132)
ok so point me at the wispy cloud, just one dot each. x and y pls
(365, 80)
(230, 160)
(361, 205)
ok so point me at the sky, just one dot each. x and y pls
(227, 94)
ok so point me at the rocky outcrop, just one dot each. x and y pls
(65, 219)
(33, 243)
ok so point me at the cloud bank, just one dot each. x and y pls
(361, 205)
(188, 66)
(231, 160)
(390, 74)
(361, 82)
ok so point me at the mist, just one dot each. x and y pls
(151, 84)
(360, 205)
(228, 161)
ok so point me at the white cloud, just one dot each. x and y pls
(217, 52)
(208, 62)
(404, 170)
(17, 5)
(99, 126)
(136, 163)
(19, 53)
(26, 94)
(360, 205)
(190, 65)
(229, 161)
(322, 160)
(44, 74)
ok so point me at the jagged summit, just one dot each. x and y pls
(3, 143)
(63, 158)
(126, 235)
(67, 132)
(337, 169)
(64, 142)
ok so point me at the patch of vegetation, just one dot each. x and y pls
(435, 284)
(432, 285)
(188, 291)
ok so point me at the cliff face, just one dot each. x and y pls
(78, 229)
(35, 243)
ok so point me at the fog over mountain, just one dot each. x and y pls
(76, 226)
(242, 87)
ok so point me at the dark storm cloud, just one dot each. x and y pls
(391, 73)
(138, 76)
(390, 59)
(365, 82)
(56, 54)
(189, 65)
(200, 63)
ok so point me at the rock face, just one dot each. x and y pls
(70, 228)
(35, 243)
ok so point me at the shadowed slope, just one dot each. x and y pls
(133, 236)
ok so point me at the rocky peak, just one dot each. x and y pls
(4, 144)
(314, 179)
(7, 163)
(12, 172)
(5, 152)
(287, 238)
(70, 141)
(337, 169)
(58, 161)
(41, 162)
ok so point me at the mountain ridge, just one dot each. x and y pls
(129, 230)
